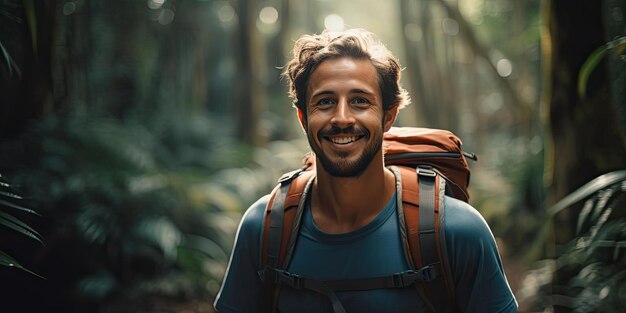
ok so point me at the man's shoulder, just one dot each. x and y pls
(462, 220)
(253, 216)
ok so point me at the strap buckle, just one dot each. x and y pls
(292, 280)
(277, 276)
(288, 177)
(425, 170)
(425, 274)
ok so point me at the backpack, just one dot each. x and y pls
(427, 164)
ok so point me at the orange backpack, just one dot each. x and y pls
(427, 163)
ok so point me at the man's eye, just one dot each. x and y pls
(360, 100)
(325, 102)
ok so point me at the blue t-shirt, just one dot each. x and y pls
(372, 251)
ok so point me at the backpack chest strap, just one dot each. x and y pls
(328, 288)
(398, 280)
(282, 277)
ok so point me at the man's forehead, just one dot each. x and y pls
(358, 75)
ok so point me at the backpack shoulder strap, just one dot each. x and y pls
(281, 225)
(283, 214)
(422, 194)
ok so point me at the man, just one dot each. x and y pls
(346, 91)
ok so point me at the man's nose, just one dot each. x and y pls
(343, 116)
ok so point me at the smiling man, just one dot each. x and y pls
(346, 91)
(343, 91)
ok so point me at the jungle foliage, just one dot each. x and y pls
(140, 131)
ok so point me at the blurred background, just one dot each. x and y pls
(135, 133)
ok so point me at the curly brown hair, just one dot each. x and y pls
(310, 51)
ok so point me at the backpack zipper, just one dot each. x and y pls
(422, 155)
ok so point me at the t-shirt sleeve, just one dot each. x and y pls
(241, 287)
(480, 282)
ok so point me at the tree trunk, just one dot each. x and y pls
(585, 139)
(248, 95)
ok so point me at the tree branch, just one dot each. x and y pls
(480, 50)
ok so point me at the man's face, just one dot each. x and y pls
(345, 118)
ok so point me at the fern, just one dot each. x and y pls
(8, 202)
(153, 202)
(589, 275)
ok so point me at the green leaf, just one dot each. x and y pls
(19, 226)
(7, 260)
(15, 206)
(584, 214)
(7, 58)
(585, 71)
(10, 195)
(163, 233)
(587, 190)
(582, 193)
(592, 62)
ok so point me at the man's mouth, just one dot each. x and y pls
(344, 136)
(342, 140)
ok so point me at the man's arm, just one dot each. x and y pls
(241, 287)
(480, 282)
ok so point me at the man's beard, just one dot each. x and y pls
(343, 167)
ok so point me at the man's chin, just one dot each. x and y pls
(344, 169)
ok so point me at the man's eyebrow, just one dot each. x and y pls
(330, 92)
(323, 92)
(361, 91)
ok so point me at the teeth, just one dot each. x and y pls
(343, 140)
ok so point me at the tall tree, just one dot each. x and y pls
(585, 139)
(249, 95)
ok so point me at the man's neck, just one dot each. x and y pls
(344, 204)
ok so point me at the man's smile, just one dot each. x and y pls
(342, 140)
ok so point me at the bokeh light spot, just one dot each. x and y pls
(155, 4)
(69, 8)
(334, 22)
(413, 32)
(268, 15)
(166, 17)
(226, 13)
(492, 103)
(450, 26)
(504, 67)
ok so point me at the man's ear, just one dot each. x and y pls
(390, 117)
(301, 118)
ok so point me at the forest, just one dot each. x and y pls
(134, 134)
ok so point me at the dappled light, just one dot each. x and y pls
(267, 21)
(504, 67)
(135, 134)
(155, 4)
(334, 22)
(226, 13)
(268, 15)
